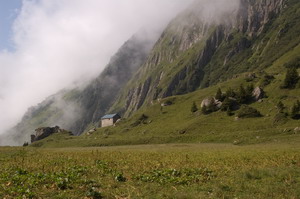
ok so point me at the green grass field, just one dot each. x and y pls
(152, 171)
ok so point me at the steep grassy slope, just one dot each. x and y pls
(177, 124)
(194, 53)
(76, 109)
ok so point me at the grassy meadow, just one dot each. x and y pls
(170, 152)
(152, 171)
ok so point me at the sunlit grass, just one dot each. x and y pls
(152, 171)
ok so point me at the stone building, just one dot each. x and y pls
(109, 120)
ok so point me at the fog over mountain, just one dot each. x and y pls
(63, 43)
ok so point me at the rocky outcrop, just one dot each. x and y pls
(254, 15)
(192, 48)
(137, 96)
(42, 133)
(190, 77)
(211, 102)
(258, 94)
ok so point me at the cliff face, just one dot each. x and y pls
(253, 15)
(194, 52)
(97, 97)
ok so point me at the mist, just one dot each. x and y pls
(61, 43)
(65, 44)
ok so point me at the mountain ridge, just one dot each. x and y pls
(192, 53)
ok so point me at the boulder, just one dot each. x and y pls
(211, 101)
(43, 132)
(258, 93)
(297, 130)
(167, 103)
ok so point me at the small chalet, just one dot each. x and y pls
(109, 120)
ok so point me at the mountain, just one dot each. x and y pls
(76, 109)
(207, 46)
(194, 52)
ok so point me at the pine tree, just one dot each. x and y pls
(242, 95)
(219, 95)
(194, 108)
(230, 93)
(295, 110)
(227, 104)
(249, 90)
(291, 78)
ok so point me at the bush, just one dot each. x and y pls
(294, 63)
(244, 95)
(230, 93)
(194, 108)
(248, 112)
(291, 79)
(219, 95)
(266, 80)
(295, 110)
(25, 144)
(229, 103)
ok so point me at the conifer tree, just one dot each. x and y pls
(194, 108)
(230, 93)
(242, 95)
(295, 110)
(249, 90)
(291, 78)
(219, 95)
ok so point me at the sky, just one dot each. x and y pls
(48, 45)
(9, 10)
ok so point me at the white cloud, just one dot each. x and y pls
(59, 42)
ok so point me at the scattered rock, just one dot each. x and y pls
(297, 130)
(167, 103)
(92, 130)
(250, 77)
(211, 101)
(42, 133)
(235, 142)
(258, 94)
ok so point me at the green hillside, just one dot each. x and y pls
(176, 123)
(193, 53)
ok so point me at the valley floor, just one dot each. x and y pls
(152, 171)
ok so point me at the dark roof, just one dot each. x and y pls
(110, 116)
